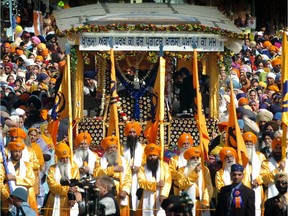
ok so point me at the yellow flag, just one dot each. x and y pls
(284, 80)
(61, 108)
(113, 119)
(199, 116)
(234, 137)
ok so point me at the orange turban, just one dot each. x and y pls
(152, 149)
(53, 80)
(236, 71)
(16, 145)
(267, 44)
(40, 58)
(81, 137)
(61, 65)
(276, 61)
(62, 150)
(225, 151)
(44, 114)
(249, 136)
(184, 138)
(137, 127)
(17, 132)
(274, 48)
(45, 52)
(192, 152)
(108, 141)
(222, 126)
(276, 141)
(243, 101)
(19, 52)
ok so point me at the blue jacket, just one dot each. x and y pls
(26, 209)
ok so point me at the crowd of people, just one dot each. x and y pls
(131, 177)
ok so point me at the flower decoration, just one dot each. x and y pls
(148, 27)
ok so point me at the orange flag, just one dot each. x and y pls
(234, 137)
(284, 80)
(199, 116)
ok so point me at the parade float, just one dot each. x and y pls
(136, 31)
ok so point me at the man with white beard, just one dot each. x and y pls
(133, 152)
(83, 156)
(273, 165)
(64, 170)
(185, 141)
(115, 166)
(252, 177)
(192, 178)
(228, 157)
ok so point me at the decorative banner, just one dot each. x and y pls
(150, 41)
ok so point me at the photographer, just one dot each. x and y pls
(107, 199)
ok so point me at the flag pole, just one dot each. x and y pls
(113, 119)
(284, 83)
(70, 128)
(161, 103)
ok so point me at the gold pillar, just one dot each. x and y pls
(78, 81)
(212, 72)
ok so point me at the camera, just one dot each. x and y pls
(90, 204)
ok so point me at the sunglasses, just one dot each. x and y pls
(282, 182)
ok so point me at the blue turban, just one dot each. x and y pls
(237, 168)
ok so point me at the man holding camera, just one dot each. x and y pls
(112, 164)
(62, 199)
(105, 184)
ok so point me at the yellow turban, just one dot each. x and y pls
(108, 141)
(17, 132)
(41, 46)
(192, 152)
(184, 138)
(131, 125)
(62, 150)
(152, 149)
(262, 84)
(33, 129)
(226, 151)
(249, 136)
(81, 137)
(40, 58)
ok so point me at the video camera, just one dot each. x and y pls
(90, 205)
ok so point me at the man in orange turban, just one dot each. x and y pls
(276, 64)
(252, 176)
(133, 152)
(20, 174)
(84, 157)
(191, 178)
(155, 179)
(273, 165)
(228, 157)
(185, 141)
(28, 155)
(58, 176)
(117, 167)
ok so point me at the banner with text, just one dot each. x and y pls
(150, 42)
